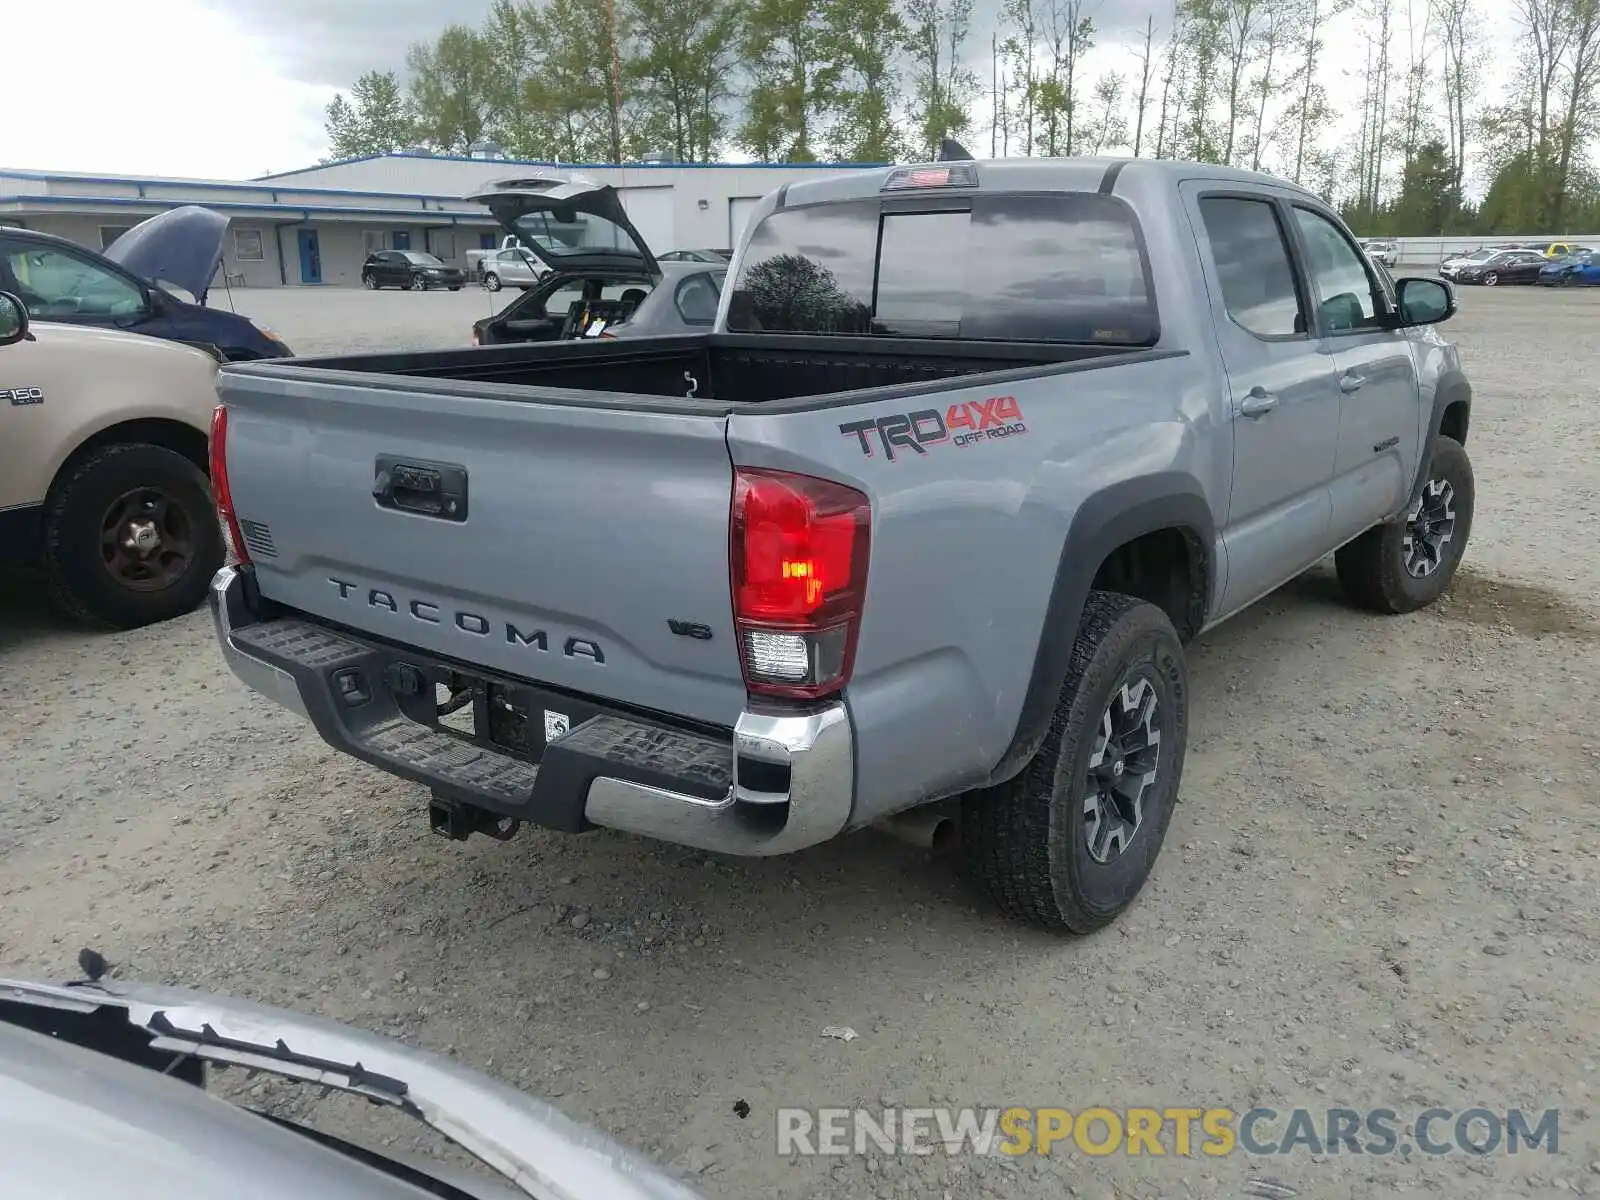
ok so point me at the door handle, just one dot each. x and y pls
(1350, 382)
(1258, 402)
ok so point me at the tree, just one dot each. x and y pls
(1240, 22)
(1147, 64)
(783, 44)
(863, 39)
(577, 95)
(681, 68)
(375, 120)
(1200, 43)
(942, 87)
(1106, 127)
(1458, 38)
(452, 89)
(1428, 200)
(1311, 112)
(1276, 32)
(1024, 23)
(1069, 35)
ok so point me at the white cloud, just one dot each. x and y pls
(161, 88)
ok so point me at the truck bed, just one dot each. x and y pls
(714, 373)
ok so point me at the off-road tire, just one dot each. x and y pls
(1024, 842)
(79, 584)
(1372, 569)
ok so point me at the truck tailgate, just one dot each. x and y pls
(587, 548)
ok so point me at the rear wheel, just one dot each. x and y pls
(1068, 843)
(131, 537)
(1406, 564)
(492, 282)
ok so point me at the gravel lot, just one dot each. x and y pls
(1380, 888)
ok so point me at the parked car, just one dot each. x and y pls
(105, 1091)
(103, 461)
(567, 305)
(123, 288)
(1554, 249)
(1451, 267)
(1571, 271)
(1504, 266)
(608, 286)
(903, 537)
(410, 269)
(702, 256)
(1387, 253)
(516, 268)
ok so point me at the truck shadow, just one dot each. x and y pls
(26, 616)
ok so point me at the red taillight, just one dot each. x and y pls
(799, 567)
(219, 484)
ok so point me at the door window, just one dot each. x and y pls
(58, 283)
(1253, 266)
(1345, 292)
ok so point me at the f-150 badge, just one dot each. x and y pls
(969, 424)
(20, 397)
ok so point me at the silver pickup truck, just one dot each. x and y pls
(973, 450)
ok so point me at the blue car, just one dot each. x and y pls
(1572, 270)
(60, 280)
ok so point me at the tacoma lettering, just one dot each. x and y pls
(472, 623)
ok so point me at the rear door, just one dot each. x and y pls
(570, 225)
(577, 536)
(1380, 409)
(1283, 397)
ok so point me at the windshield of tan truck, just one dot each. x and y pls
(1059, 268)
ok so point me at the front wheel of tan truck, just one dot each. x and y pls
(103, 468)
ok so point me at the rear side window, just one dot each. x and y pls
(696, 299)
(1251, 257)
(1061, 268)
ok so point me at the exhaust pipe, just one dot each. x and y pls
(930, 827)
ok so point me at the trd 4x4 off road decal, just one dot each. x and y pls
(968, 424)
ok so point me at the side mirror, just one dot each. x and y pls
(13, 320)
(1424, 301)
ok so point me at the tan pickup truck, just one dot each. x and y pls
(103, 468)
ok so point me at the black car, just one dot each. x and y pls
(1509, 266)
(410, 269)
(60, 280)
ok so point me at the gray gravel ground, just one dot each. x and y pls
(1380, 889)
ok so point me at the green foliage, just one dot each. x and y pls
(942, 86)
(682, 69)
(784, 48)
(863, 39)
(375, 120)
(451, 85)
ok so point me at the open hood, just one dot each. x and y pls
(182, 246)
(570, 225)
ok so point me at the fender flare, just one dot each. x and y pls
(1106, 520)
(1453, 388)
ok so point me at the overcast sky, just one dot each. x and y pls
(232, 89)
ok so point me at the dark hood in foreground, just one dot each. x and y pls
(182, 246)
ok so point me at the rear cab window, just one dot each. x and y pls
(1062, 267)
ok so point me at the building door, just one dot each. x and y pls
(400, 239)
(310, 257)
(739, 210)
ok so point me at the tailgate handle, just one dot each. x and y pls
(425, 489)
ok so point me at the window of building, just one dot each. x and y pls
(373, 240)
(248, 246)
